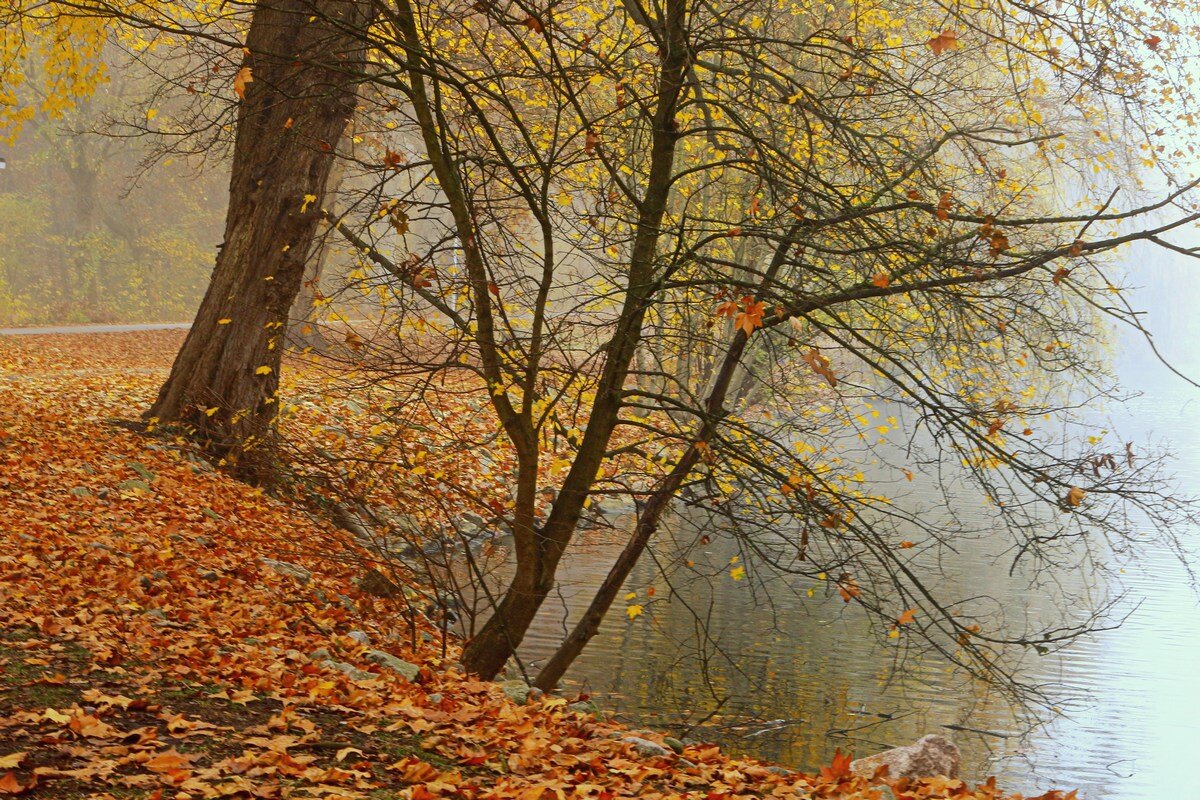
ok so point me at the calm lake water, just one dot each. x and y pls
(793, 679)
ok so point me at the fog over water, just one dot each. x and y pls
(812, 677)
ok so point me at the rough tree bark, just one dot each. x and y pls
(305, 59)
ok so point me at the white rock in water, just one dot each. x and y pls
(930, 755)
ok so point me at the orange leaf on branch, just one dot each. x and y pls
(750, 317)
(946, 40)
(820, 365)
(848, 587)
(997, 244)
(943, 207)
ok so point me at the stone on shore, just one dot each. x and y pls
(930, 755)
(645, 747)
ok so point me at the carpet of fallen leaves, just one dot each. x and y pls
(146, 650)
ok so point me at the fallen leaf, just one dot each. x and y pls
(169, 761)
(10, 785)
(345, 752)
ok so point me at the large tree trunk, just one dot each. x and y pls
(305, 63)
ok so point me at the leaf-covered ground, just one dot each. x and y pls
(147, 650)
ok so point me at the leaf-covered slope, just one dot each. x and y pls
(147, 649)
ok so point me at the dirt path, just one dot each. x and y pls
(84, 329)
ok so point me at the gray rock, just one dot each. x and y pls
(207, 574)
(645, 747)
(134, 485)
(930, 755)
(433, 699)
(81, 491)
(205, 541)
(142, 472)
(359, 636)
(398, 665)
(472, 519)
(584, 707)
(287, 569)
(349, 670)
(320, 654)
(349, 519)
(673, 743)
(517, 691)
(156, 613)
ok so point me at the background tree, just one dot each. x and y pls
(98, 229)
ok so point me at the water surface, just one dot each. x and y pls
(792, 679)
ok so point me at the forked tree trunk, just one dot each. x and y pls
(660, 499)
(540, 550)
(304, 63)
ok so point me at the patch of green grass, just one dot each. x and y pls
(43, 695)
(13, 668)
(21, 684)
(198, 702)
(398, 746)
